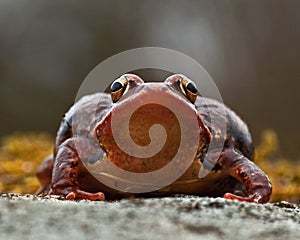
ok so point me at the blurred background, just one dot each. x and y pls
(250, 48)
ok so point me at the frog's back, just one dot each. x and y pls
(237, 133)
(83, 116)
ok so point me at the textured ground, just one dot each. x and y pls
(182, 217)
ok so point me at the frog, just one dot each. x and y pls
(231, 172)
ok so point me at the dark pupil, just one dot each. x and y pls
(116, 86)
(191, 87)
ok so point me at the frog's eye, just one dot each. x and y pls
(189, 89)
(121, 85)
(118, 88)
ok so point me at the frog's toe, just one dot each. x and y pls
(79, 194)
(254, 198)
(43, 190)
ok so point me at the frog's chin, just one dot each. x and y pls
(125, 185)
(186, 186)
(135, 187)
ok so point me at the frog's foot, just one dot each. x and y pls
(79, 194)
(258, 185)
(65, 174)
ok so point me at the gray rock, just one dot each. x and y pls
(180, 217)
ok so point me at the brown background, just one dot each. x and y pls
(250, 48)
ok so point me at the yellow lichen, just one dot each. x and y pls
(20, 156)
(284, 174)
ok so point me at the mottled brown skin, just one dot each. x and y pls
(234, 175)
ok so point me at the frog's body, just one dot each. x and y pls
(233, 171)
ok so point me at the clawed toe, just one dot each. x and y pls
(254, 199)
(78, 194)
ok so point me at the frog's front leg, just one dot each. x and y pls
(44, 175)
(258, 185)
(65, 172)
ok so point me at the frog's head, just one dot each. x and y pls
(149, 122)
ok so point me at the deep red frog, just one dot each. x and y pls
(233, 174)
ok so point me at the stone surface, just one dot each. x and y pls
(180, 217)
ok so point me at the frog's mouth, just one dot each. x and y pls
(147, 130)
(130, 185)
